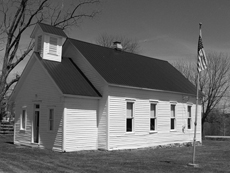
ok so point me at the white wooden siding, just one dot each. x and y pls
(102, 122)
(141, 136)
(81, 124)
(39, 89)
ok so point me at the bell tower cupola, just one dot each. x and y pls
(48, 41)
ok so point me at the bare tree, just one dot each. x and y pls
(18, 16)
(188, 69)
(129, 45)
(218, 122)
(213, 82)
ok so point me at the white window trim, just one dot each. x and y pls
(21, 128)
(189, 105)
(154, 101)
(175, 119)
(133, 119)
(173, 102)
(130, 100)
(156, 113)
(48, 128)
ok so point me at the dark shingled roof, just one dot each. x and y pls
(69, 78)
(127, 69)
(52, 30)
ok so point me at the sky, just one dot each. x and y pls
(164, 29)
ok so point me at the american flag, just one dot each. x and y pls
(201, 61)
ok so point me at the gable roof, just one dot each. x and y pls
(69, 78)
(132, 70)
(49, 29)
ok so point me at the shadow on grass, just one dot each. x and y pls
(166, 161)
(6, 139)
(10, 143)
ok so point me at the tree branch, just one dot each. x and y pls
(18, 15)
(72, 16)
(13, 65)
(27, 24)
(8, 85)
(213, 81)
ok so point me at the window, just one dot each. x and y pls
(37, 106)
(53, 45)
(129, 117)
(51, 119)
(189, 117)
(39, 44)
(23, 120)
(173, 117)
(153, 117)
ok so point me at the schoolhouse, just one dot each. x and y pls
(74, 95)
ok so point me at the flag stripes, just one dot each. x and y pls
(201, 61)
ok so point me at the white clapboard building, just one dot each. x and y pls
(75, 95)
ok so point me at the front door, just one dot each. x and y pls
(36, 123)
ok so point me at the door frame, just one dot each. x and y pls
(36, 109)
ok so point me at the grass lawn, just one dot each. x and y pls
(213, 156)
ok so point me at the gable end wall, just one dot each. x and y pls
(39, 89)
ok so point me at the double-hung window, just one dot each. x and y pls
(53, 45)
(51, 120)
(173, 117)
(189, 123)
(23, 120)
(153, 118)
(129, 117)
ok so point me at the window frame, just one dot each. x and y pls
(173, 104)
(155, 116)
(49, 119)
(23, 113)
(189, 117)
(53, 48)
(36, 108)
(132, 116)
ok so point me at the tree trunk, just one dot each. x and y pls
(1, 111)
(202, 127)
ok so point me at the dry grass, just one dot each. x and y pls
(213, 156)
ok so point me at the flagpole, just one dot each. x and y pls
(195, 122)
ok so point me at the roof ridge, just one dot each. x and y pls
(142, 56)
(52, 29)
(49, 25)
